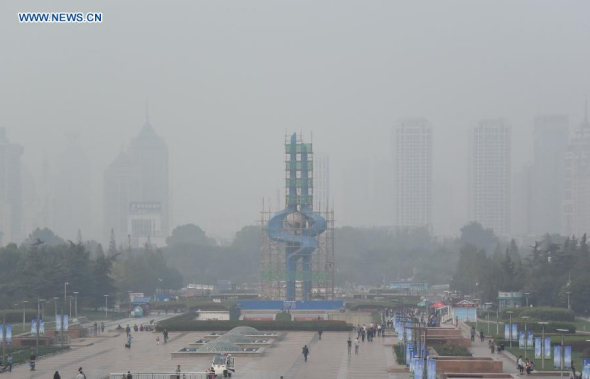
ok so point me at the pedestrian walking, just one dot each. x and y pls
(9, 363)
(102, 327)
(520, 365)
(305, 352)
(178, 372)
(128, 330)
(129, 376)
(32, 360)
(158, 341)
(80, 374)
(165, 333)
(320, 331)
(481, 335)
(356, 346)
(56, 375)
(349, 344)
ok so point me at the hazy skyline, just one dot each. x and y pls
(226, 82)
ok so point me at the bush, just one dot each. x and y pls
(446, 350)
(541, 314)
(187, 323)
(283, 316)
(399, 354)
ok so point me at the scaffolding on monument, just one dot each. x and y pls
(273, 257)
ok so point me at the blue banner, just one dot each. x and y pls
(412, 366)
(431, 369)
(1, 333)
(507, 332)
(514, 332)
(419, 368)
(530, 339)
(66, 322)
(409, 334)
(567, 356)
(585, 368)
(557, 356)
(8, 332)
(538, 347)
(547, 344)
(33, 326)
(521, 340)
(408, 353)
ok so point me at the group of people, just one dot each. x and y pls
(370, 332)
(481, 335)
(140, 328)
(526, 365)
(79, 375)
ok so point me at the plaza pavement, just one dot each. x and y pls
(328, 358)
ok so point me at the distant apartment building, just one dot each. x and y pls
(136, 198)
(550, 143)
(321, 182)
(11, 207)
(412, 173)
(490, 174)
(576, 200)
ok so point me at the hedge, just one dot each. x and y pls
(541, 314)
(532, 324)
(187, 323)
(446, 350)
(399, 354)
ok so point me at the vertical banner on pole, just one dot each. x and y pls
(431, 372)
(557, 356)
(42, 327)
(585, 368)
(547, 351)
(66, 322)
(58, 322)
(34, 326)
(8, 333)
(530, 339)
(538, 351)
(567, 356)
(409, 334)
(419, 368)
(521, 340)
(506, 332)
(514, 332)
(408, 353)
(1, 333)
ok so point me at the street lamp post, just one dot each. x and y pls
(71, 298)
(39, 301)
(543, 343)
(526, 338)
(527, 298)
(488, 305)
(510, 330)
(568, 300)
(106, 306)
(561, 360)
(63, 311)
(476, 309)
(24, 314)
(55, 299)
(76, 304)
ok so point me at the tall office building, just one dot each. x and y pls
(489, 175)
(11, 207)
(321, 182)
(412, 173)
(576, 200)
(550, 143)
(136, 199)
(72, 193)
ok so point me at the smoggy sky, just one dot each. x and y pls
(226, 80)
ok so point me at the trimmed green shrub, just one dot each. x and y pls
(186, 322)
(446, 350)
(283, 316)
(399, 354)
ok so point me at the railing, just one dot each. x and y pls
(159, 375)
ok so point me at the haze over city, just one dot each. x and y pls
(226, 82)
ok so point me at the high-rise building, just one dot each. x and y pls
(139, 177)
(11, 208)
(490, 174)
(412, 173)
(576, 199)
(550, 143)
(72, 193)
(321, 182)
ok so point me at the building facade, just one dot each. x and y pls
(490, 174)
(412, 173)
(11, 207)
(576, 199)
(550, 143)
(139, 176)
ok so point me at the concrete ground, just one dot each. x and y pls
(328, 358)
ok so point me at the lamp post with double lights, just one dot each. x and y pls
(488, 306)
(24, 314)
(76, 304)
(526, 337)
(510, 330)
(561, 360)
(106, 306)
(543, 323)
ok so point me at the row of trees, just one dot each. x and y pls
(547, 270)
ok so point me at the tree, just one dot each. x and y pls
(46, 236)
(189, 233)
(112, 244)
(474, 234)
